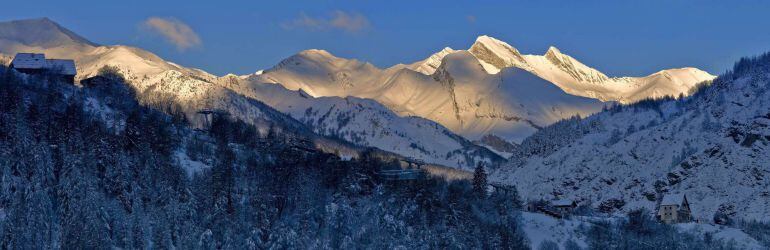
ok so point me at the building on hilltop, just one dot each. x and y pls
(36, 64)
(674, 209)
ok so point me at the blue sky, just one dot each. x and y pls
(617, 37)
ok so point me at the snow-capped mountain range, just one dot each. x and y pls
(361, 121)
(421, 110)
(489, 89)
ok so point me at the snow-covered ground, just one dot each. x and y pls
(734, 236)
(540, 227)
(190, 166)
(715, 148)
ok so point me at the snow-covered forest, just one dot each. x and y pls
(92, 168)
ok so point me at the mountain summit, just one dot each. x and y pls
(41, 33)
(495, 54)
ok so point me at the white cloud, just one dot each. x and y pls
(338, 20)
(174, 31)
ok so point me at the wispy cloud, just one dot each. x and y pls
(471, 18)
(338, 20)
(174, 31)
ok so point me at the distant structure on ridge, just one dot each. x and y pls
(36, 64)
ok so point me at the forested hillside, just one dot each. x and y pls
(91, 168)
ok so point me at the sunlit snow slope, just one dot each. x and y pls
(489, 89)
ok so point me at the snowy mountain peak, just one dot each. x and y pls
(492, 42)
(323, 58)
(460, 64)
(495, 54)
(316, 52)
(429, 65)
(40, 32)
(315, 55)
(315, 61)
(552, 51)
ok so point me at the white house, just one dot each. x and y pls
(674, 209)
(33, 63)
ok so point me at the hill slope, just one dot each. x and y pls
(713, 146)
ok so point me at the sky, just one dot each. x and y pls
(619, 38)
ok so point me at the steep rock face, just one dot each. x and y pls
(575, 69)
(496, 55)
(713, 146)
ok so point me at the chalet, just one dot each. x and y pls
(564, 206)
(33, 64)
(674, 209)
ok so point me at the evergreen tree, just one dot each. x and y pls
(480, 180)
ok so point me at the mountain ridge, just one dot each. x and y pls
(349, 119)
(341, 77)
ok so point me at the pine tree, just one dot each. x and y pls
(480, 180)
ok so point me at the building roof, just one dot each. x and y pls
(64, 66)
(673, 199)
(562, 203)
(38, 61)
(29, 61)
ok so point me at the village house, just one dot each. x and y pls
(33, 64)
(564, 206)
(674, 209)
